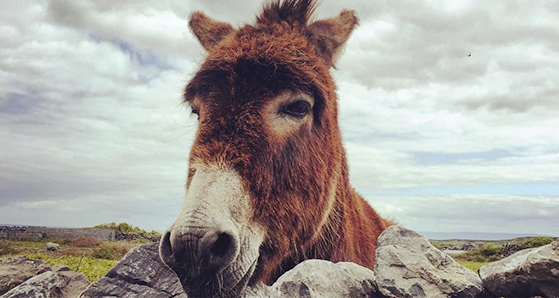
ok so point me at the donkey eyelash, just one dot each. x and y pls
(298, 109)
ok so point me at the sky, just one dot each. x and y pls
(448, 110)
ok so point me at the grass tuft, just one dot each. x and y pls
(474, 266)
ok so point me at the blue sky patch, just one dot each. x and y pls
(449, 158)
(15, 103)
(144, 58)
(525, 189)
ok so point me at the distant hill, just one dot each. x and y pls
(477, 235)
(40, 226)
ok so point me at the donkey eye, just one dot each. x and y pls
(297, 109)
(195, 112)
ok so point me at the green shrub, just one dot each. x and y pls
(85, 242)
(6, 248)
(125, 228)
(105, 253)
(490, 250)
(110, 251)
(437, 245)
(130, 232)
(536, 242)
(487, 253)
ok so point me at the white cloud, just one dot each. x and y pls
(91, 124)
(473, 213)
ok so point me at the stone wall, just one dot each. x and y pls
(407, 266)
(15, 232)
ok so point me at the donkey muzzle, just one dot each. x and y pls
(213, 246)
(194, 251)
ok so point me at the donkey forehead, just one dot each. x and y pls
(254, 64)
(247, 81)
(278, 43)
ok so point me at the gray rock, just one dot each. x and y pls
(529, 272)
(60, 267)
(407, 265)
(15, 270)
(257, 291)
(62, 284)
(139, 274)
(52, 246)
(320, 278)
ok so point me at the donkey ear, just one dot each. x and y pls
(208, 31)
(330, 35)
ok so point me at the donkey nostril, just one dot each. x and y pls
(166, 249)
(217, 249)
(221, 246)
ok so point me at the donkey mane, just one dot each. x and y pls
(295, 12)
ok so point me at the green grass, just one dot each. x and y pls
(94, 261)
(28, 245)
(91, 257)
(93, 268)
(474, 266)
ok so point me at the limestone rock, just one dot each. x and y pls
(320, 278)
(62, 284)
(139, 274)
(529, 272)
(60, 267)
(257, 291)
(407, 265)
(52, 246)
(15, 270)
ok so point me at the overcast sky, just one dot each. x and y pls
(92, 129)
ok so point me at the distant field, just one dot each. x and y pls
(95, 258)
(89, 256)
(92, 257)
(483, 252)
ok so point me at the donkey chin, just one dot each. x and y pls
(212, 246)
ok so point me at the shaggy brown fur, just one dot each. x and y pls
(299, 185)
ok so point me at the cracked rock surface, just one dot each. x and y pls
(58, 283)
(529, 272)
(319, 278)
(16, 270)
(142, 274)
(408, 265)
(139, 274)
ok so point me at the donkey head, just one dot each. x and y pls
(267, 162)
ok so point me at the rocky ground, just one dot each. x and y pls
(21, 277)
(408, 265)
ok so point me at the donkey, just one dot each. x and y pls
(267, 184)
